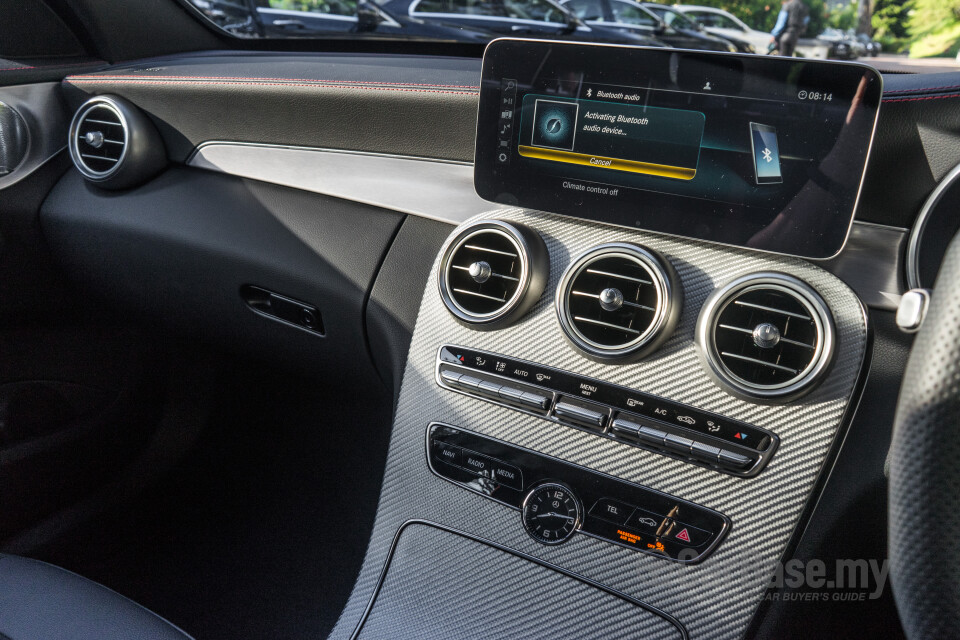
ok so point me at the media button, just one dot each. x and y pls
(507, 474)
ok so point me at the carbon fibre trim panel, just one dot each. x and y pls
(440, 584)
(715, 599)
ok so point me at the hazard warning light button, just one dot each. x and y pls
(689, 535)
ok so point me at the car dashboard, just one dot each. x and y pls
(318, 209)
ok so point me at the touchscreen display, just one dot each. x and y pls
(756, 151)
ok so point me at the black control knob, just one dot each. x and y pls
(551, 512)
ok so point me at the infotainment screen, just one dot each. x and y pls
(749, 150)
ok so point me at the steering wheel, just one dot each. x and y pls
(924, 504)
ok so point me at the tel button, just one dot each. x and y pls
(611, 510)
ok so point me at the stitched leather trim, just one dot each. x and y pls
(923, 89)
(282, 80)
(949, 95)
(322, 85)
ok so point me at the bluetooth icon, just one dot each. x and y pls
(589, 92)
(767, 154)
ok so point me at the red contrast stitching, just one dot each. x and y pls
(24, 68)
(276, 84)
(281, 80)
(922, 89)
(952, 95)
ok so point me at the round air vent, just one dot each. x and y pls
(14, 139)
(113, 144)
(619, 300)
(492, 272)
(766, 336)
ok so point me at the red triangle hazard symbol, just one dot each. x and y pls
(683, 535)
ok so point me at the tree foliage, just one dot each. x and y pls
(930, 16)
(890, 18)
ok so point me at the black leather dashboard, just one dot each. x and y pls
(426, 107)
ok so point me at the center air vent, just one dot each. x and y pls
(767, 336)
(619, 300)
(113, 144)
(493, 271)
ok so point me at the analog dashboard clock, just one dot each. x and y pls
(551, 513)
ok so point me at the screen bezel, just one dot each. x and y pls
(663, 212)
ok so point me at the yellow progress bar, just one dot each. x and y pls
(666, 171)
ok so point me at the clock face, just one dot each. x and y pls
(551, 513)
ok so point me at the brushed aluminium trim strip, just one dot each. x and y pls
(871, 262)
(436, 189)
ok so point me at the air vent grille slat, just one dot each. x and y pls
(493, 270)
(99, 141)
(615, 300)
(770, 335)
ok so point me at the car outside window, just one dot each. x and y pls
(329, 7)
(629, 13)
(714, 20)
(673, 19)
(537, 10)
(586, 9)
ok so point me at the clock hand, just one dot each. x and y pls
(553, 515)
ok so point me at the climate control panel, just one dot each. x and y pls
(626, 415)
(558, 500)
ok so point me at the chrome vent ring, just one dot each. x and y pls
(99, 136)
(618, 301)
(492, 272)
(766, 336)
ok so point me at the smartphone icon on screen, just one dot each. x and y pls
(766, 153)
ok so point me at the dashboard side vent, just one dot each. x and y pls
(493, 271)
(766, 336)
(619, 300)
(100, 140)
(113, 144)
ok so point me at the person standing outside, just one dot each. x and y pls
(791, 23)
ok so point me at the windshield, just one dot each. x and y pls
(903, 36)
